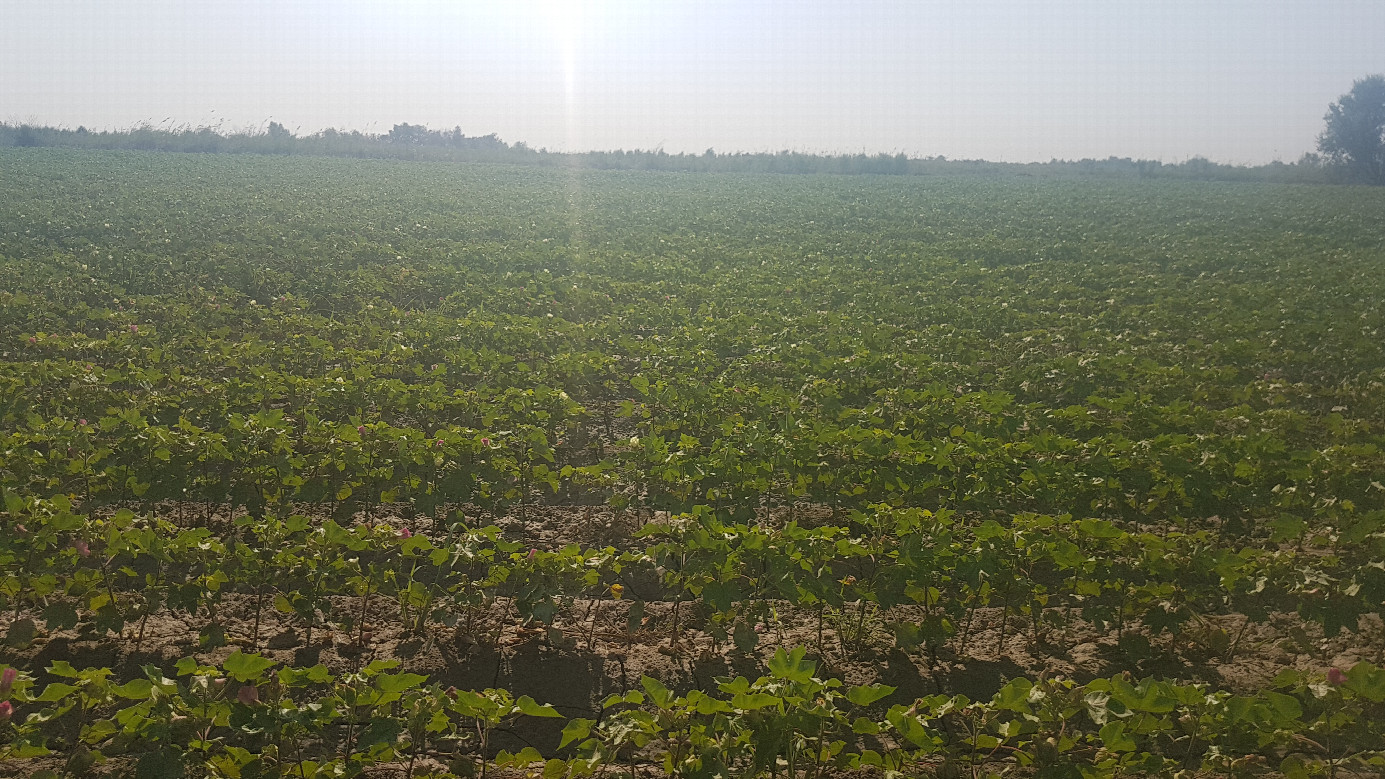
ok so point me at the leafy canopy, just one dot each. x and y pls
(1355, 133)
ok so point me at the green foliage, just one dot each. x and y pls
(416, 142)
(1355, 132)
(886, 404)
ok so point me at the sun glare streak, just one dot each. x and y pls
(565, 20)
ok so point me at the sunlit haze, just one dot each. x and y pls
(1239, 82)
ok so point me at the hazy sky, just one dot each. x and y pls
(1241, 82)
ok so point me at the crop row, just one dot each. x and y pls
(516, 447)
(245, 718)
(922, 574)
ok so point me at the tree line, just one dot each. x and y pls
(1352, 150)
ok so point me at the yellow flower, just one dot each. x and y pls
(617, 590)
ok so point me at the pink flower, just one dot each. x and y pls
(533, 553)
(6, 711)
(437, 444)
(7, 680)
(404, 532)
(82, 422)
(485, 442)
(1335, 677)
(134, 328)
(33, 340)
(248, 695)
(759, 627)
(82, 548)
(360, 429)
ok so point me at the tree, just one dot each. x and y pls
(1355, 134)
(26, 136)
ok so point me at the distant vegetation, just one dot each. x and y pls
(1354, 139)
(416, 142)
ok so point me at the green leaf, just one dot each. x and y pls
(575, 730)
(659, 695)
(1293, 767)
(734, 686)
(706, 705)
(867, 694)
(1285, 706)
(864, 726)
(135, 689)
(1367, 681)
(245, 668)
(415, 544)
(910, 728)
(985, 741)
(528, 706)
(744, 636)
(99, 731)
(14, 504)
(56, 692)
(1014, 696)
(751, 701)
(635, 617)
(524, 757)
(791, 665)
(721, 596)
(1114, 737)
(60, 616)
(868, 757)
(398, 682)
(907, 635)
(63, 668)
(1287, 527)
(633, 696)
(381, 730)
